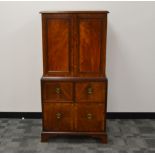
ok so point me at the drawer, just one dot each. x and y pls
(57, 91)
(90, 91)
(57, 117)
(90, 118)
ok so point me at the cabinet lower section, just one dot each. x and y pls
(74, 108)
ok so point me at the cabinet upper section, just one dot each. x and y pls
(74, 43)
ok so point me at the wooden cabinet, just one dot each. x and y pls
(74, 83)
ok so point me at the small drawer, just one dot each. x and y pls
(57, 117)
(57, 91)
(90, 91)
(90, 118)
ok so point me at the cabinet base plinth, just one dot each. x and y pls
(45, 136)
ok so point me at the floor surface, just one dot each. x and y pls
(124, 135)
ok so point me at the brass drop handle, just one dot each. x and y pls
(89, 116)
(58, 115)
(89, 90)
(57, 90)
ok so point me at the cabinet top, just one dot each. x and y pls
(45, 12)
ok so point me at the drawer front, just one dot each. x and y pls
(57, 91)
(90, 118)
(57, 117)
(90, 91)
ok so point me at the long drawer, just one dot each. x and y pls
(80, 92)
(73, 117)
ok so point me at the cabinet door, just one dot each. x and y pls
(57, 44)
(91, 44)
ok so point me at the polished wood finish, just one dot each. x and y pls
(57, 44)
(90, 92)
(89, 45)
(75, 79)
(74, 83)
(58, 41)
(91, 42)
(90, 118)
(60, 118)
(57, 91)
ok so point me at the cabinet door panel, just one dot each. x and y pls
(91, 45)
(58, 42)
(89, 49)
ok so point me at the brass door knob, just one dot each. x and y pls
(89, 90)
(89, 116)
(58, 115)
(58, 90)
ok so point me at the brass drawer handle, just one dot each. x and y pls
(89, 90)
(58, 115)
(89, 116)
(57, 90)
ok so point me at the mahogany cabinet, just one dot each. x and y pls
(74, 83)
